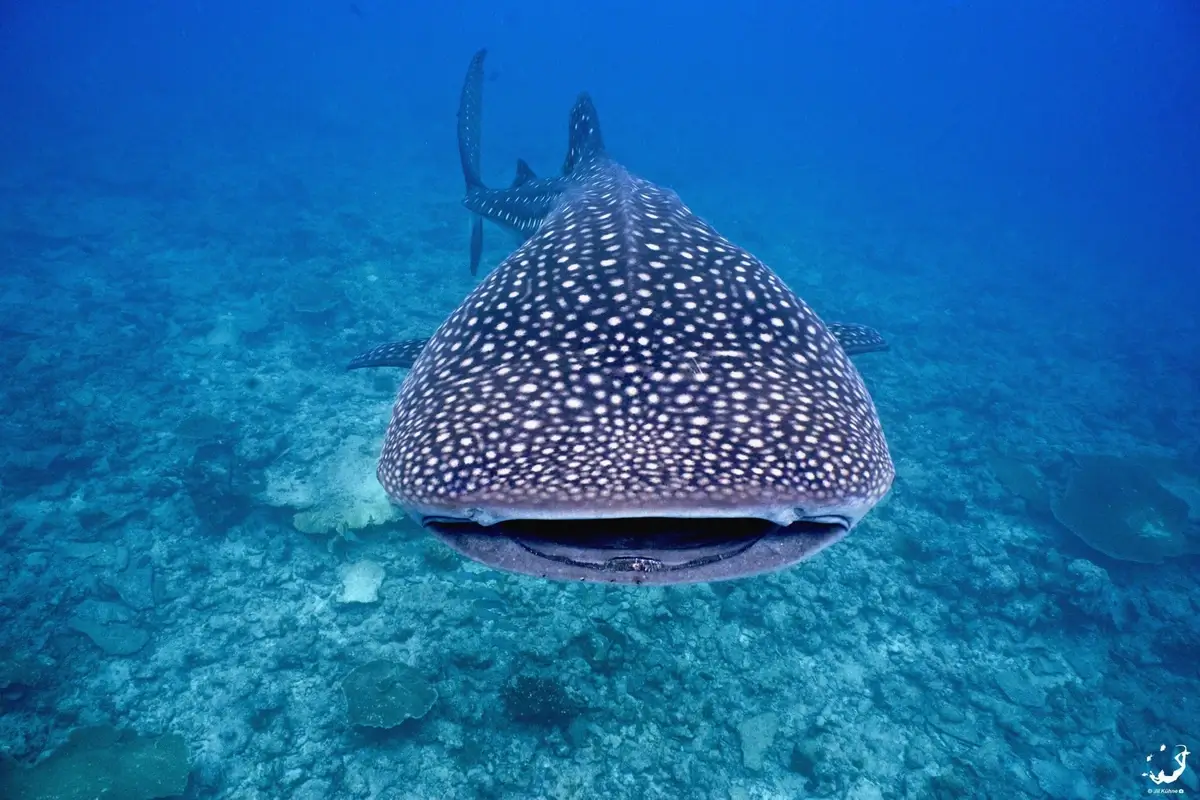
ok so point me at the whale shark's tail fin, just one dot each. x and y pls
(470, 121)
(528, 199)
(470, 126)
(584, 141)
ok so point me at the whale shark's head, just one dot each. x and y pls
(630, 397)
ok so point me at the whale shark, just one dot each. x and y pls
(629, 397)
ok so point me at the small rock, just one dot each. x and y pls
(135, 586)
(965, 732)
(1021, 690)
(1093, 593)
(115, 638)
(757, 734)
(1058, 781)
(109, 626)
(36, 562)
(101, 554)
(360, 582)
(865, 790)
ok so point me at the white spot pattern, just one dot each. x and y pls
(628, 357)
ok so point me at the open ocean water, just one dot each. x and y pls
(208, 208)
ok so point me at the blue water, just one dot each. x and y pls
(206, 209)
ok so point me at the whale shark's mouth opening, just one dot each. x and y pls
(640, 550)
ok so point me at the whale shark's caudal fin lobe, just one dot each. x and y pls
(525, 174)
(585, 141)
(470, 121)
(470, 126)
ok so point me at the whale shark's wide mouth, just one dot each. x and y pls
(640, 550)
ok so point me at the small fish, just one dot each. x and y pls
(631, 398)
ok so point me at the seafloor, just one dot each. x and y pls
(188, 475)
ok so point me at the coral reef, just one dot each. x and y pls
(182, 451)
(538, 700)
(103, 762)
(1120, 509)
(383, 694)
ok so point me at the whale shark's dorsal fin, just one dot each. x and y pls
(525, 174)
(585, 141)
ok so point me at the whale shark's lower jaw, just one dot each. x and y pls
(640, 550)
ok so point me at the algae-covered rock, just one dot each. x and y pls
(1119, 508)
(1180, 479)
(382, 694)
(757, 734)
(110, 627)
(103, 762)
(115, 639)
(540, 701)
(135, 586)
(20, 669)
(336, 496)
(1023, 481)
(200, 427)
(340, 520)
(315, 304)
(360, 582)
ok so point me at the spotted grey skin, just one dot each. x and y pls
(521, 209)
(629, 397)
(854, 339)
(392, 354)
(525, 203)
(858, 339)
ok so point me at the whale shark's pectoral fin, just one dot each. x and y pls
(525, 174)
(393, 354)
(854, 339)
(857, 339)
